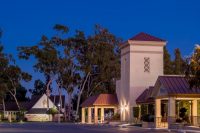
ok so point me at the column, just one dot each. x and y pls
(115, 110)
(89, 115)
(102, 114)
(194, 112)
(139, 106)
(171, 110)
(95, 115)
(83, 115)
(157, 113)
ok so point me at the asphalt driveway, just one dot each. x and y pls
(70, 128)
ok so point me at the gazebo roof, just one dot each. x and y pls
(101, 99)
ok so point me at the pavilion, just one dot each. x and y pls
(167, 97)
(97, 108)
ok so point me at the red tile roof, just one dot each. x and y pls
(145, 97)
(177, 85)
(145, 37)
(101, 99)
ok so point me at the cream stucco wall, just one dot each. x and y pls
(38, 117)
(133, 78)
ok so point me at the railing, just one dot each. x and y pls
(188, 120)
(161, 122)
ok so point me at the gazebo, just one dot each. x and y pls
(97, 108)
(168, 99)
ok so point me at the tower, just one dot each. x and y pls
(141, 64)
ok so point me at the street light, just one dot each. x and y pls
(59, 113)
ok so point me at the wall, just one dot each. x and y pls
(133, 78)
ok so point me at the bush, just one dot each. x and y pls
(179, 120)
(52, 111)
(183, 112)
(136, 112)
(147, 118)
(116, 117)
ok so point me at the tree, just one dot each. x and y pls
(39, 88)
(13, 76)
(168, 66)
(46, 57)
(99, 60)
(179, 63)
(3, 64)
(193, 68)
(88, 64)
(10, 78)
(69, 80)
(20, 94)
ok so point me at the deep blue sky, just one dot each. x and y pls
(24, 21)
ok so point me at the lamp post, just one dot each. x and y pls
(190, 102)
(59, 113)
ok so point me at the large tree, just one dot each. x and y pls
(11, 76)
(39, 88)
(193, 68)
(179, 64)
(88, 64)
(168, 65)
(46, 57)
(99, 60)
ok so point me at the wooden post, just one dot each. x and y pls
(83, 115)
(194, 112)
(89, 115)
(102, 114)
(157, 112)
(95, 115)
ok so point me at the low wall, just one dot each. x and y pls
(148, 124)
(38, 117)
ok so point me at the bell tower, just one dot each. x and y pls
(141, 64)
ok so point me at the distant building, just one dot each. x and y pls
(36, 109)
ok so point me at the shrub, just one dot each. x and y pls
(116, 117)
(53, 111)
(179, 120)
(136, 112)
(147, 118)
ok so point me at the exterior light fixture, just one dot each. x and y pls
(124, 107)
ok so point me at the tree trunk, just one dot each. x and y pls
(70, 106)
(4, 108)
(60, 101)
(16, 102)
(48, 95)
(79, 96)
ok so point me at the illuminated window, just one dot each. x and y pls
(146, 64)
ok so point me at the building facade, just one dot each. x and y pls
(145, 94)
(141, 64)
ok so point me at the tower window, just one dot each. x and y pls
(146, 64)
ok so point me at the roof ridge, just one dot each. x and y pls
(142, 36)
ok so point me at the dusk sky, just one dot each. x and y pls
(24, 21)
